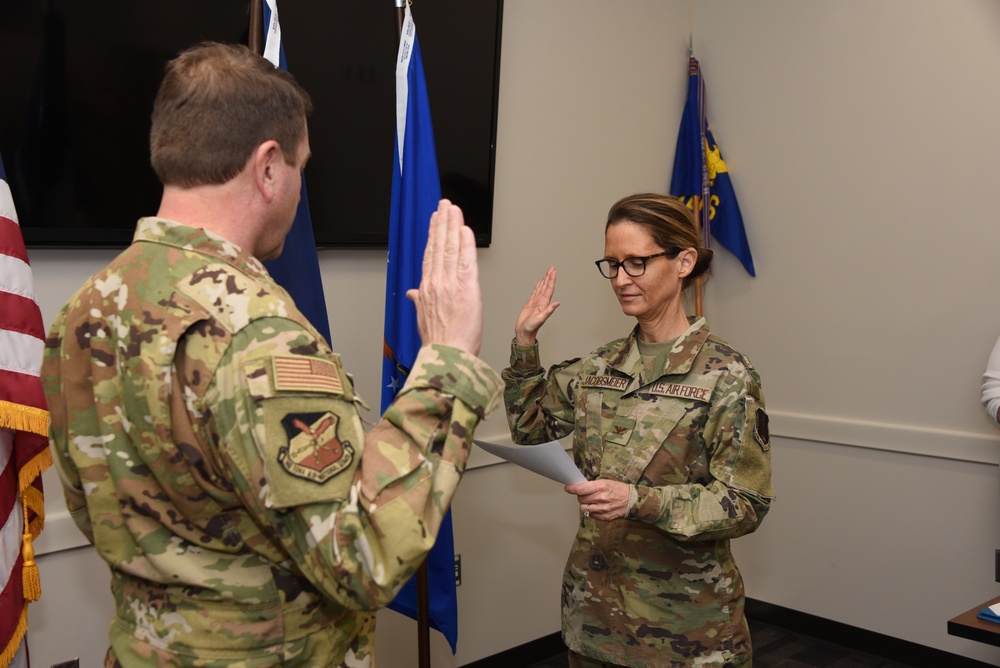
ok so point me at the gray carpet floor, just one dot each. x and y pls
(777, 648)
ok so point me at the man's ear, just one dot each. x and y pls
(264, 162)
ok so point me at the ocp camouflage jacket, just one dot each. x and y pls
(211, 448)
(689, 435)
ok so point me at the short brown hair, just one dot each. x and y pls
(218, 103)
(670, 223)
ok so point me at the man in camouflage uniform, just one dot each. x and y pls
(209, 441)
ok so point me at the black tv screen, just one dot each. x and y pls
(80, 77)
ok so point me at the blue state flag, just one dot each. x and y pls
(416, 190)
(297, 269)
(700, 171)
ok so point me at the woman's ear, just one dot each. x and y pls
(686, 261)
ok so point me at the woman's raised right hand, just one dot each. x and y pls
(536, 310)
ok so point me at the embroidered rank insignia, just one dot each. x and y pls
(305, 374)
(314, 451)
(621, 430)
(760, 429)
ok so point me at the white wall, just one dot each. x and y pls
(860, 138)
(855, 134)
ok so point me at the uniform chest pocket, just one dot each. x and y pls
(595, 419)
(636, 433)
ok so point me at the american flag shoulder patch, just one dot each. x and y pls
(305, 374)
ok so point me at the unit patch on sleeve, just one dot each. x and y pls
(314, 451)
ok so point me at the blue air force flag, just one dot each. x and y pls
(416, 190)
(700, 171)
(297, 269)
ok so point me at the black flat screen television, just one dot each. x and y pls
(79, 80)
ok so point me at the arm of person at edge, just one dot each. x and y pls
(991, 384)
(361, 546)
(539, 410)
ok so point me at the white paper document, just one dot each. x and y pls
(547, 459)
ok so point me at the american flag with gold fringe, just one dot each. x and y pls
(24, 424)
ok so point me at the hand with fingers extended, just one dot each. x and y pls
(536, 310)
(601, 499)
(449, 302)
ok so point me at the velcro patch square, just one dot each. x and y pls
(761, 430)
(305, 374)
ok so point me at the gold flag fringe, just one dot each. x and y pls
(24, 418)
(18, 417)
(30, 582)
(15, 639)
(32, 501)
(31, 498)
(29, 471)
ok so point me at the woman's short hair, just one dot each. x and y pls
(669, 222)
(217, 103)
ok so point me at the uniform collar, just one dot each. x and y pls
(678, 360)
(197, 240)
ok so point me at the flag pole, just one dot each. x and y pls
(696, 205)
(700, 204)
(423, 623)
(423, 592)
(702, 221)
(255, 40)
(400, 15)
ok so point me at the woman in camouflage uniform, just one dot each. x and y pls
(669, 429)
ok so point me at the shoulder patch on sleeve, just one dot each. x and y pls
(306, 429)
(315, 450)
(761, 430)
(299, 373)
(752, 468)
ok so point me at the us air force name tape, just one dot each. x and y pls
(661, 388)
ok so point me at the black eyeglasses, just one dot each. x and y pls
(634, 266)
